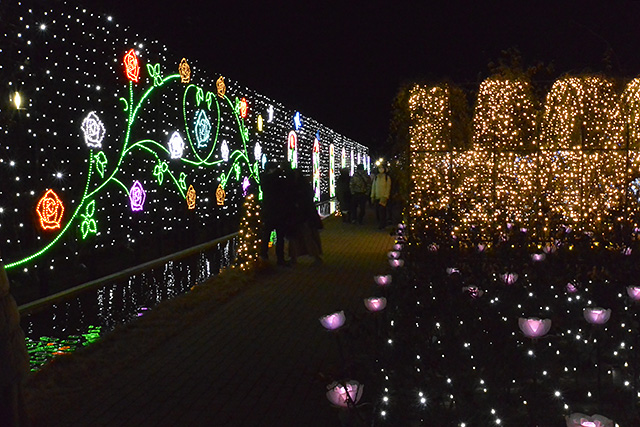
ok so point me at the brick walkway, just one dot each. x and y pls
(253, 361)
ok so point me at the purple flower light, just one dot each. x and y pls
(333, 321)
(382, 280)
(401, 226)
(509, 278)
(473, 291)
(137, 196)
(346, 394)
(395, 263)
(523, 230)
(245, 185)
(597, 315)
(633, 292)
(549, 248)
(374, 304)
(481, 247)
(627, 251)
(581, 420)
(571, 288)
(433, 247)
(534, 327)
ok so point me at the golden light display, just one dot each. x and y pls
(572, 162)
(249, 236)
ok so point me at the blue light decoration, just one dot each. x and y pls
(111, 123)
(297, 121)
(202, 129)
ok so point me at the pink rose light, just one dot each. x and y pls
(382, 280)
(333, 321)
(523, 230)
(534, 327)
(597, 315)
(581, 420)
(538, 257)
(346, 394)
(395, 263)
(400, 226)
(393, 254)
(633, 292)
(509, 278)
(374, 304)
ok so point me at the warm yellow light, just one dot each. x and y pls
(17, 100)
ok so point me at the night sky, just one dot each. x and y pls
(342, 62)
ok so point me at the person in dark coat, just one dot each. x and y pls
(360, 186)
(304, 236)
(274, 211)
(344, 194)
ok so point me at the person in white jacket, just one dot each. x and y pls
(380, 192)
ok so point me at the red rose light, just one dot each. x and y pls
(243, 108)
(132, 66)
(50, 210)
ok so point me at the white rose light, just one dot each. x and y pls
(176, 146)
(93, 130)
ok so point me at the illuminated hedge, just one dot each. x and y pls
(114, 149)
(571, 162)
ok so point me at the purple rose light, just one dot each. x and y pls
(400, 226)
(523, 230)
(581, 420)
(509, 278)
(538, 257)
(245, 185)
(346, 394)
(395, 263)
(382, 280)
(534, 327)
(333, 321)
(633, 292)
(597, 315)
(374, 304)
(137, 196)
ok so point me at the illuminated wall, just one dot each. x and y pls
(573, 161)
(114, 149)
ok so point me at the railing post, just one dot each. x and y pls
(14, 360)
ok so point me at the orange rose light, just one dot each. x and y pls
(50, 210)
(220, 195)
(191, 197)
(132, 66)
(221, 88)
(185, 71)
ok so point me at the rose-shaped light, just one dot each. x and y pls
(185, 71)
(581, 420)
(333, 321)
(509, 278)
(132, 66)
(224, 151)
(538, 257)
(473, 291)
(221, 88)
(534, 327)
(257, 151)
(202, 129)
(382, 280)
(634, 292)
(571, 288)
(176, 146)
(597, 315)
(400, 226)
(50, 210)
(220, 195)
(137, 196)
(245, 185)
(393, 254)
(191, 197)
(243, 108)
(395, 263)
(375, 304)
(337, 393)
(93, 130)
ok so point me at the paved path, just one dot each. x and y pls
(255, 360)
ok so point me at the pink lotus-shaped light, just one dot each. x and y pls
(333, 321)
(481, 247)
(393, 254)
(538, 257)
(395, 263)
(597, 315)
(473, 291)
(571, 288)
(397, 247)
(382, 280)
(346, 394)
(523, 230)
(509, 278)
(433, 247)
(375, 304)
(582, 420)
(400, 239)
(451, 270)
(633, 292)
(534, 327)
(627, 251)
(400, 226)
(549, 248)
